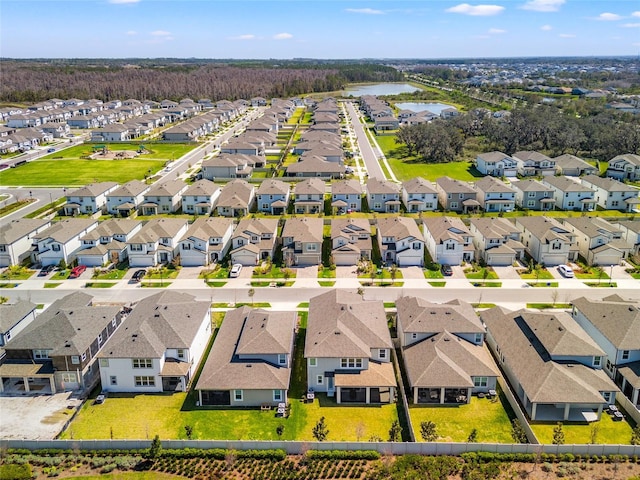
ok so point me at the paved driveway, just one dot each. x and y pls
(507, 273)
(412, 273)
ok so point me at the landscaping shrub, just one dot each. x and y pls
(15, 472)
(342, 455)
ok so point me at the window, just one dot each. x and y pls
(571, 204)
(40, 354)
(450, 246)
(414, 336)
(351, 362)
(104, 362)
(478, 338)
(75, 359)
(282, 359)
(142, 363)
(531, 194)
(625, 355)
(135, 247)
(55, 247)
(114, 323)
(556, 246)
(531, 203)
(417, 246)
(319, 380)
(165, 208)
(453, 205)
(277, 395)
(614, 203)
(84, 356)
(480, 381)
(237, 395)
(382, 353)
(145, 381)
(313, 362)
(265, 205)
(69, 377)
(181, 353)
(606, 396)
(312, 247)
(186, 246)
(609, 365)
(377, 206)
(99, 338)
(597, 361)
(113, 380)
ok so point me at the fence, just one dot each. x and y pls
(515, 406)
(628, 407)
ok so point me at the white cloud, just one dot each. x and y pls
(567, 35)
(546, 28)
(496, 31)
(608, 17)
(631, 25)
(282, 36)
(161, 33)
(636, 14)
(366, 11)
(247, 36)
(543, 5)
(132, 32)
(476, 10)
(123, 2)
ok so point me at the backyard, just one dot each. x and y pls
(604, 431)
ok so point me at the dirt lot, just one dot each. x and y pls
(35, 417)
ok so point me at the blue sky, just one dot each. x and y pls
(318, 28)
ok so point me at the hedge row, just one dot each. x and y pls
(342, 455)
(275, 455)
(486, 457)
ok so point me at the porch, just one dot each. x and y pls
(26, 378)
(374, 385)
(442, 395)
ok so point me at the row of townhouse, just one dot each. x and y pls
(380, 112)
(562, 366)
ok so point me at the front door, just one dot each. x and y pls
(330, 387)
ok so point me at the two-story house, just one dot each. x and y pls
(497, 164)
(250, 362)
(207, 241)
(442, 351)
(16, 239)
(456, 196)
(302, 241)
(497, 241)
(630, 233)
(534, 164)
(598, 241)
(227, 166)
(570, 194)
(273, 196)
(346, 196)
(200, 197)
(160, 346)
(612, 194)
(89, 199)
(309, 196)
(547, 241)
(494, 195)
(350, 240)
(254, 240)
(125, 200)
(419, 195)
(236, 199)
(383, 196)
(107, 243)
(624, 167)
(400, 241)
(157, 242)
(533, 195)
(448, 240)
(60, 241)
(14, 317)
(348, 349)
(315, 166)
(164, 197)
(572, 166)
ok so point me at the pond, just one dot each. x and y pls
(380, 89)
(421, 107)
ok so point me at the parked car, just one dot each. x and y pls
(447, 271)
(566, 271)
(46, 270)
(51, 150)
(77, 271)
(235, 270)
(101, 398)
(138, 275)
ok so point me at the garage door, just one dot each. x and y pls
(553, 260)
(607, 258)
(244, 258)
(500, 260)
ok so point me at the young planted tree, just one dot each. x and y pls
(473, 436)
(251, 293)
(428, 431)
(188, 430)
(558, 434)
(280, 430)
(517, 432)
(155, 449)
(635, 436)
(393, 272)
(320, 431)
(395, 432)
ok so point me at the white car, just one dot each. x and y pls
(566, 271)
(235, 270)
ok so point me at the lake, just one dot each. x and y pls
(380, 89)
(421, 107)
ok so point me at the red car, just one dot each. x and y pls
(77, 271)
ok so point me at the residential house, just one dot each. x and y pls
(200, 197)
(624, 167)
(630, 233)
(350, 240)
(207, 241)
(254, 240)
(614, 324)
(553, 366)
(57, 351)
(316, 166)
(494, 195)
(273, 196)
(89, 199)
(60, 241)
(383, 196)
(236, 199)
(570, 194)
(107, 242)
(612, 194)
(497, 241)
(419, 195)
(115, 132)
(227, 166)
(160, 346)
(14, 317)
(125, 200)
(497, 164)
(16, 239)
(309, 196)
(164, 197)
(302, 241)
(348, 349)
(448, 240)
(456, 196)
(400, 241)
(157, 242)
(534, 164)
(598, 241)
(572, 166)
(547, 241)
(385, 123)
(250, 362)
(443, 351)
(533, 195)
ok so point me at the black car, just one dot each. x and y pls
(46, 270)
(138, 275)
(446, 270)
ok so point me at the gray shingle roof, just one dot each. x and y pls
(19, 228)
(12, 313)
(617, 319)
(417, 315)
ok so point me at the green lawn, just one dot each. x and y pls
(454, 424)
(480, 274)
(326, 272)
(161, 273)
(162, 284)
(61, 275)
(274, 272)
(437, 284)
(217, 272)
(543, 284)
(157, 151)
(16, 273)
(52, 284)
(326, 283)
(608, 431)
(99, 284)
(432, 273)
(542, 274)
(115, 274)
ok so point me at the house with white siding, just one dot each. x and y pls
(254, 240)
(419, 195)
(89, 199)
(612, 194)
(547, 241)
(497, 241)
(107, 242)
(497, 164)
(16, 239)
(207, 241)
(157, 242)
(598, 241)
(400, 241)
(448, 240)
(61, 241)
(125, 200)
(200, 197)
(570, 194)
(164, 197)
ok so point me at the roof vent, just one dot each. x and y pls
(337, 332)
(248, 365)
(446, 339)
(135, 335)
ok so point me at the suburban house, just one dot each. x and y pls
(273, 196)
(346, 195)
(107, 242)
(316, 166)
(497, 164)
(309, 196)
(90, 199)
(614, 324)
(419, 195)
(547, 241)
(494, 195)
(448, 240)
(227, 166)
(14, 317)
(254, 240)
(57, 351)
(598, 241)
(612, 194)
(124, 201)
(156, 242)
(200, 197)
(572, 166)
(631, 233)
(236, 199)
(16, 239)
(350, 240)
(329, 153)
(159, 347)
(624, 167)
(443, 351)
(383, 196)
(164, 197)
(238, 146)
(206, 241)
(250, 362)
(552, 364)
(115, 132)
(534, 164)
(302, 241)
(497, 241)
(400, 241)
(348, 349)
(456, 196)
(533, 195)
(60, 241)
(570, 194)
